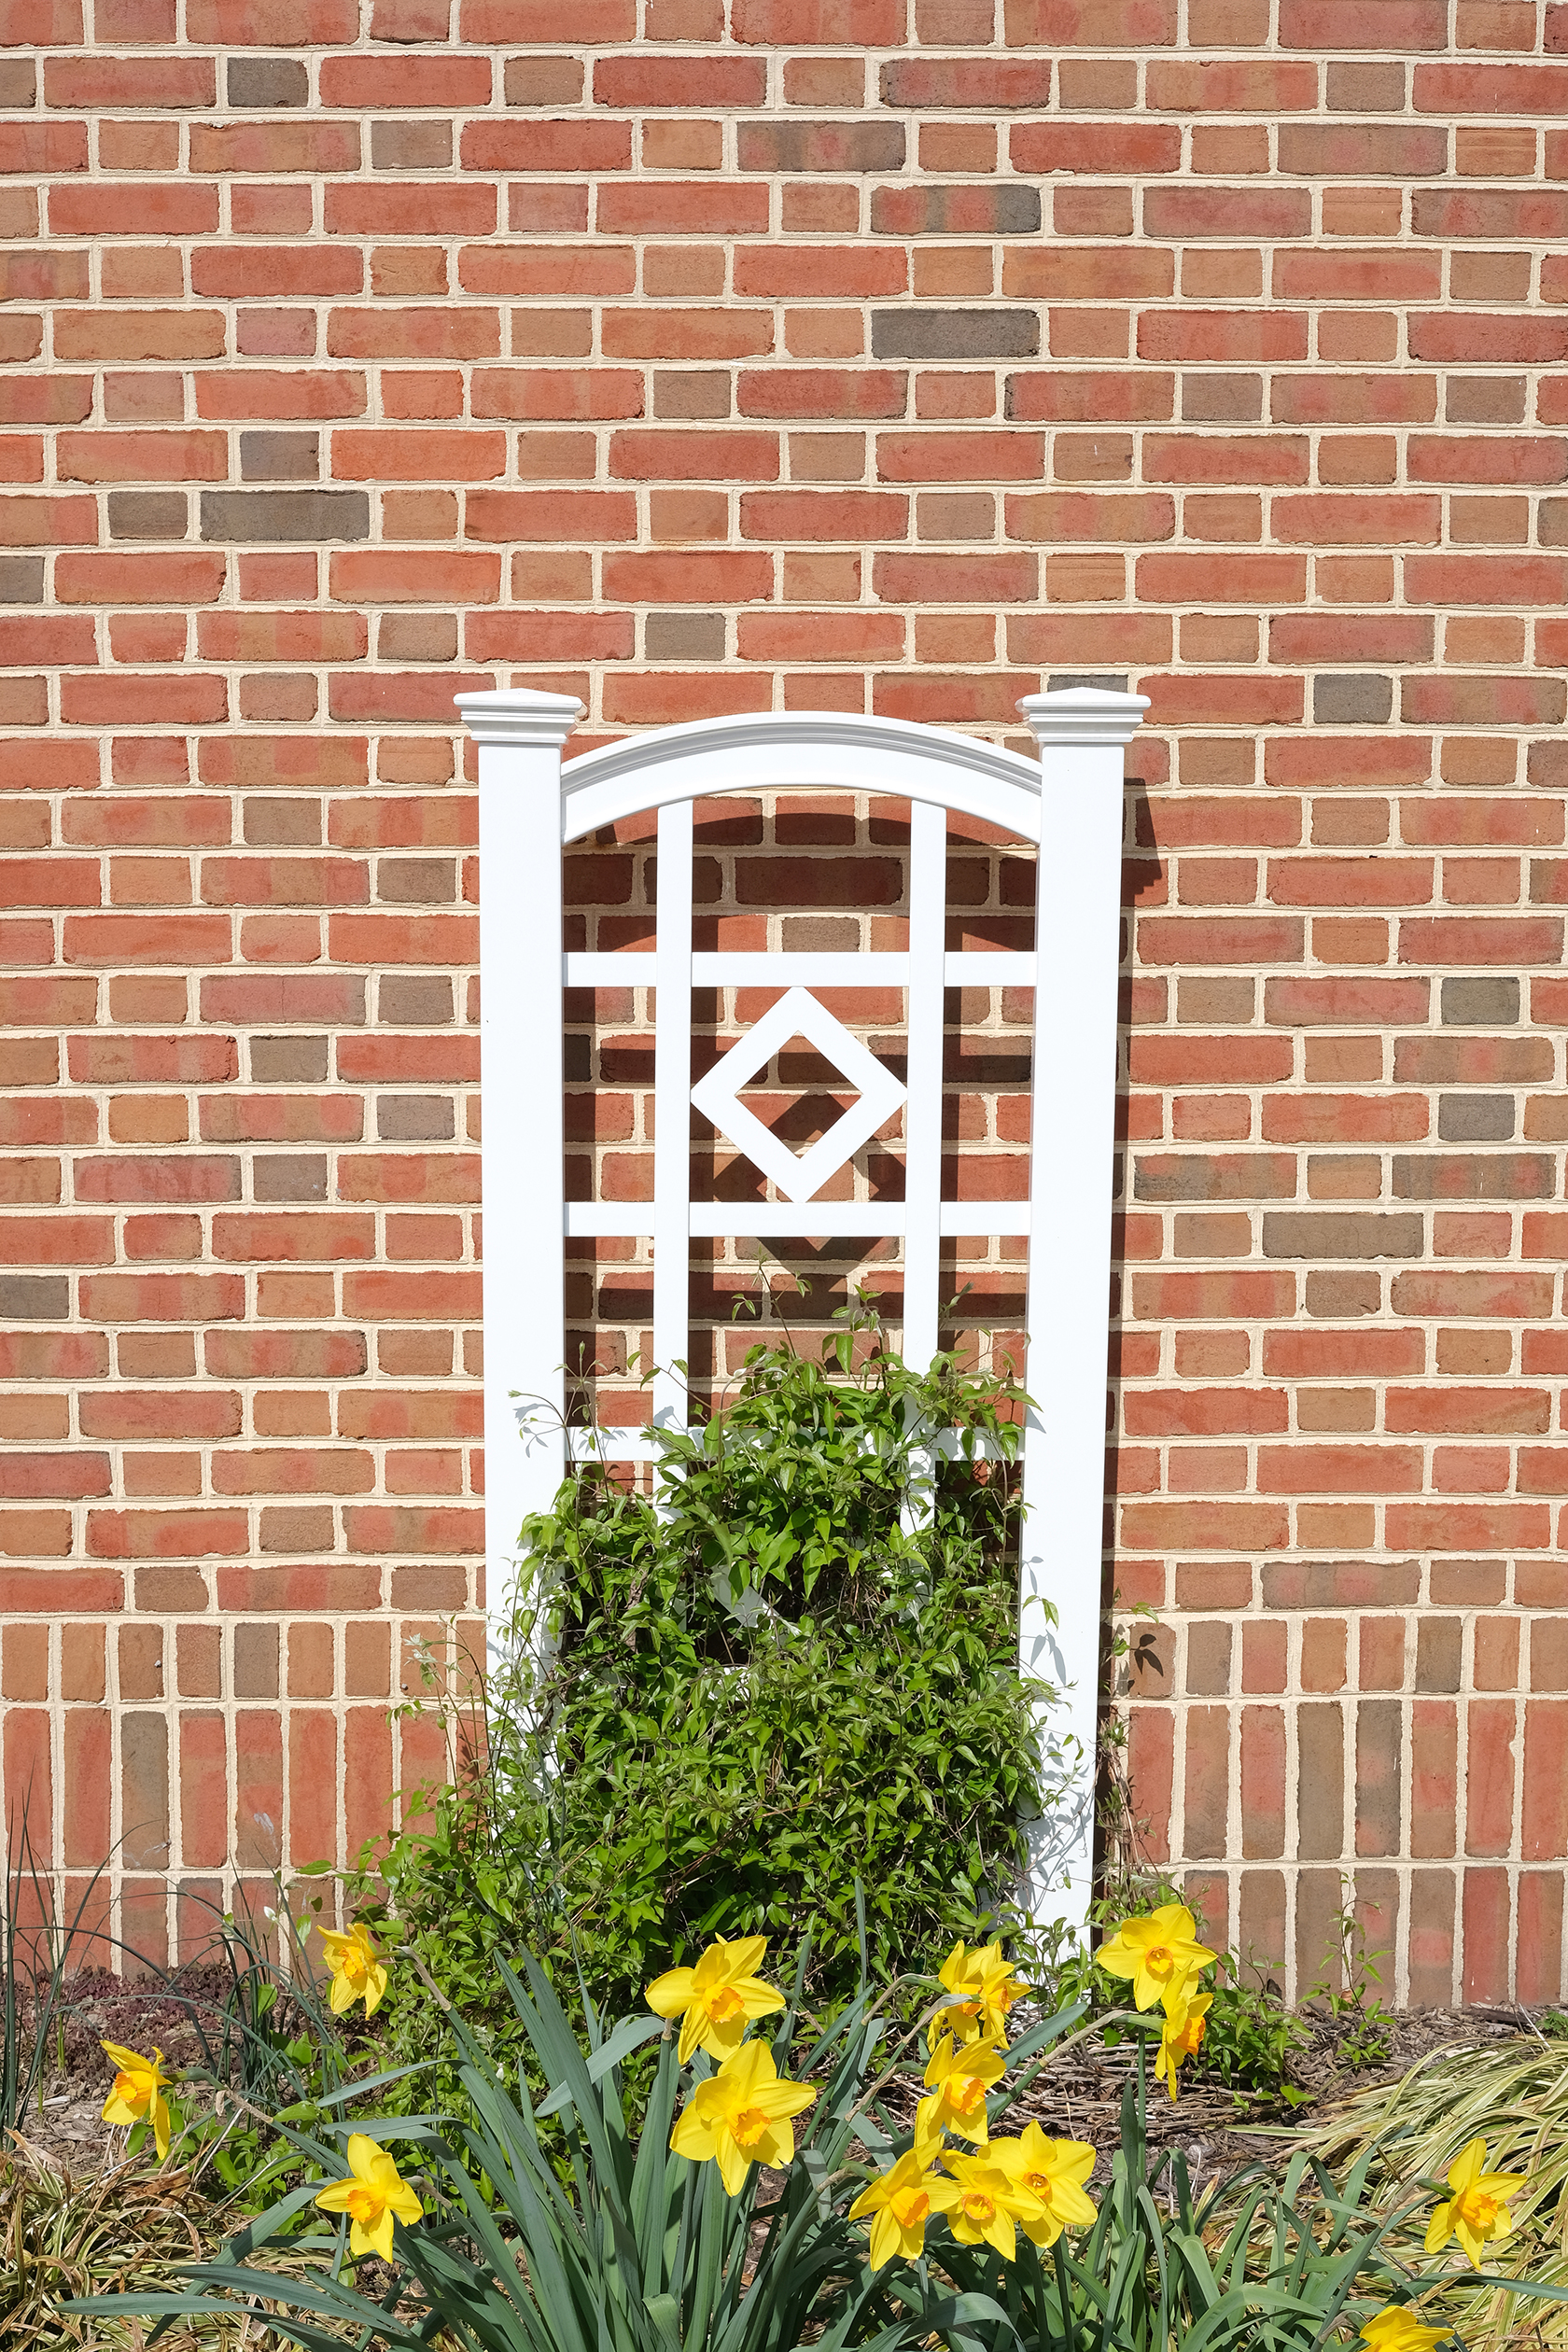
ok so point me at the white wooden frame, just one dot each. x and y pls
(1068, 801)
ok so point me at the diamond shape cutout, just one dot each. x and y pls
(798, 1014)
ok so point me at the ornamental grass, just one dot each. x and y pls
(1513, 2099)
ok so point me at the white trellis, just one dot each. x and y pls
(1070, 803)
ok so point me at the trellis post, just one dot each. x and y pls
(1071, 1144)
(520, 736)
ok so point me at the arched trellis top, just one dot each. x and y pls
(807, 750)
(1070, 802)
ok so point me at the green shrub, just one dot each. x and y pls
(797, 1665)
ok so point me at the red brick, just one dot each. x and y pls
(572, 145)
(695, 455)
(1530, 91)
(271, 23)
(378, 576)
(988, 85)
(1091, 23)
(132, 208)
(377, 83)
(1451, 338)
(533, 394)
(551, 269)
(450, 333)
(641, 83)
(819, 23)
(728, 577)
(1346, 24)
(1070, 145)
(1211, 337)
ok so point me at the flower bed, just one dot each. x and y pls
(775, 2190)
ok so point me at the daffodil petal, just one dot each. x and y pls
(670, 1993)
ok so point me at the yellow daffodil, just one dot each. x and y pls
(959, 2077)
(356, 1968)
(984, 1989)
(989, 2204)
(716, 2000)
(1396, 2329)
(137, 2096)
(903, 2200)
(1185, 2024)
(1158, 1953)
(740, 2117)
(1054, 2172)
(1477, 2209)
(373, 2195)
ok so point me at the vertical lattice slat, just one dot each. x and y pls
(922, 1110)
(672, 1116)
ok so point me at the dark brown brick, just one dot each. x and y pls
(415, 1118)
(818, 148)
(1356, 699)
(268, 81)
(415, 999)
(1483, 1001)
(1379, 1742)
(543, 81)
(411, 147)
(1476, 1118)
(255, 1661)
(1484, 400)
(1439, 1644)
(35, 1297)
(147, 514)
(418, 636)
(22, 579)
(684, 636)
(290, 1176)
(1208, 1660)
(300, 517)
(144, 1753)
(1350, 1234)
(1320, 1781)
(289, 1062)
(1221, 399)
(280, 457)
(417, 881)
(954, 334)
(690, 392)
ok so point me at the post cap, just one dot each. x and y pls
(1083, 714)
(519, 714)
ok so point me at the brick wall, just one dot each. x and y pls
(880, 355)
